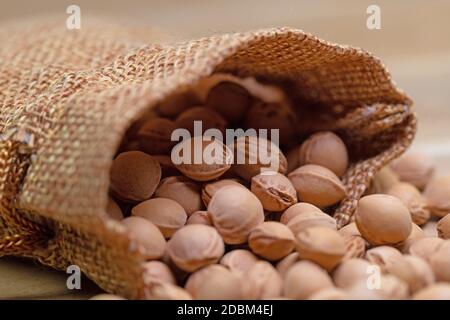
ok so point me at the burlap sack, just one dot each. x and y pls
(67, 97)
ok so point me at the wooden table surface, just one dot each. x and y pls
(413, 43)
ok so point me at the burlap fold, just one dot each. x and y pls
(68, 96)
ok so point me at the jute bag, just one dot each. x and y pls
(67, 98)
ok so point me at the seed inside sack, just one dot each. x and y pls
(202, 159)
(230, 228)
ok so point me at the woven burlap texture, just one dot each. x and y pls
(75, 92)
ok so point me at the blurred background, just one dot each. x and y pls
(412, 42)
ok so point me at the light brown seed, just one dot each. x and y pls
(239, 260)
(165, 213)
(151, 240)
(305, 278)
(330, 294)
(235, 212)
(318, 148)
(195, 246)
(262, 282)
(214, 158)
(437, 291)
(166, 291)
(350, 230)
(200, 217)
(271, 240)
(383, 219)
(254, 155)
(437, 195)
(317, 185)
(284, 264)
(425, 247)
(208, 118)
(323, 246)
(440, 262)
(311, 219)
(274, 190)
(386, 287)
(157, 271)
(415, 168)
(155, 136)
(415, 271)
(215, 282)
(355, 247)
(383, 256)
(134, 176)
(413, 200)
(361, 291)
(393, 288)
(350, 271)
(383, 181)
(296, 210)
(210, 188)
(182, 190)
(416, 233)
